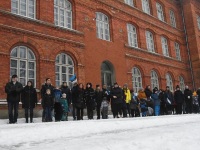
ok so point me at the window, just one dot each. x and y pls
(102, 25)
(63, 13)
(177, 50)
(64, 69)
(23, 64)
(172, 19)
(24, 8)
(132, 35)
(150, 41)
(164, 46)
(181, 83)
(154, 80)
(137, 79)
(145, 6)
(160, 12)
(169, 81)
(198, 22)
(129, 2)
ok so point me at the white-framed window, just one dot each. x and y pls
(198, 22)
(23, 64)
(132, 35)
(64, 69)
(150, 41)
(160, 12)
(102, 26)
(145, 6)
(63, 13)
(129, 2)
(164, 46)
(181, 83)
(177, 50)
(136, 79)
(25, 8)
(154, 80)
(172, 18)
(169, 81)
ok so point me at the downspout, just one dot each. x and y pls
(188, 49)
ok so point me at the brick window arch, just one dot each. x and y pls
(154, 80)
(132, 35)
(169, 81)
(63, 13)
(64, 69)
(136, 79)
(23, 64)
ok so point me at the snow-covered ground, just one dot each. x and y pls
(177, 132)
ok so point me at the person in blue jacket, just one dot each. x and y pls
(156, 101)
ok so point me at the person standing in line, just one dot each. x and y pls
(169, 100)
(179, 99)
(188, 99)
(127, 98)
(104, 108)
(98, 99)
(156, 100)
(13, 90)
(29, 100)
(65, 89)
(74, 100)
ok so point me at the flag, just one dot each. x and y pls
(73, 79)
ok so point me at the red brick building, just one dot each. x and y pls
(139, 42)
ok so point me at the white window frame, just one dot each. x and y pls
(182, 83)
(172, 18)
(136, 79)
(129, 2)
(150, 41)
(102, 26)
(177, 50)
(62, 62)
(198, 22)
(145, 6)
(18, 59)
(169, 81)
(154, 80)
(132, 35)
(63, 14)
(165, 49)
(160, 12)
(17, 8)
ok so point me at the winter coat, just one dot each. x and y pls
(64, 105)
(156, 100)
(57, 94)
(104, 104)
(178, 97)
(90, 97)
(162, 97)
(44, 88)
(106, 93)
(188, 96)
(47, 101)
(29, 97)
(134, 102)
(78, 97)
(127, 95)
(98, 97)
(169, 96)
(118, 93)
(13, 91)
(148, 92)
(67, 91)
(141, 95)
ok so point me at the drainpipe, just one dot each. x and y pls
(188, 49)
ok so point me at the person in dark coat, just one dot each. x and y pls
(156, 100)
(163, 109)
(106, 92)
(47, 104)
(98, 99)
(90, 100)
(13, 90)
(179, 99)
(46, 86)
(116, 100)
(65, 89)
(198, 93)
(169, 100)
(29, 100)
(148, 93)
(188, 99)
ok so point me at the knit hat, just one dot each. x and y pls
(14, 76)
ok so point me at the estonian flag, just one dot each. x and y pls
(73, 79)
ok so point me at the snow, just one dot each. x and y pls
(175, 132)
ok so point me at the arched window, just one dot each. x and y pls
(181, 83)
(129, 2)
(172, 18)
(23, 64)
(145, 6)
(64, 69)
(102, 26)
(160, 12)
(177, 50)
(136, 79)
(154, 80)
(169, 81)
(63, 13)
(165, 46)
(132, 35)
(150, 41)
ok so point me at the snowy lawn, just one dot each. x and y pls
(177, 132)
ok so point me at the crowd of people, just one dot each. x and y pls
(123, 101)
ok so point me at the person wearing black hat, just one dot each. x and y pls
(90, 100)
(169, 100)
(13, 90)
(188, 100)
(98, 99)
(179, 99)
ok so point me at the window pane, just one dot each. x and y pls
(22, 52)
(71, 70)
(23, 81)
(22, 73)
(57, 76)
(13, 71)
(14, 52)
(64, 77)
(14, 63)
(64, 70)
(23, 64)
(31, 74)
(57, 69)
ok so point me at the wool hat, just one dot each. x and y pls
(14, 76)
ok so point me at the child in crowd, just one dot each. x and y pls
(143, 107)
(65, 107)
(47, 104)
(104, 108)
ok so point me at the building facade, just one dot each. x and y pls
(139, 42)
